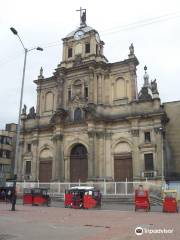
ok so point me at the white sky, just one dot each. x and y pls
(44, 23)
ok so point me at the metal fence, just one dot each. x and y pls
(106, 188)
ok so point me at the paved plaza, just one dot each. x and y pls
(112, 222)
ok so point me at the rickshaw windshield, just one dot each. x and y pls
(141, 193)
(37, 190)
(27, 190)
(170, 194)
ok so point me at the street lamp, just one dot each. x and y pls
(14, 31)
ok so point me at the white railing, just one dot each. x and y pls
(106, 188)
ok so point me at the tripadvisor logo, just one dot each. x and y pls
(139, 231)
(148, 230)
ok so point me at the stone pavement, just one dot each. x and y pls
(51, 223)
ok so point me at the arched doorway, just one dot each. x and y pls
(123, 163)
(78, 164)
(45, 166)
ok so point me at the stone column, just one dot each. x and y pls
(38, 110)
(60, 92)
(58, 166)
(137, 163)
(91, 157)
(67, 169)
(91, 86)
(34, 167)
(99, 89)
(108, 156)
(100, 156)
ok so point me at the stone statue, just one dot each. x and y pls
(83, 18)
(24, 110)
(41, 73)
(154, 86)
(131, 49)
(31, 114)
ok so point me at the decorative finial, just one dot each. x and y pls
(146, 77)
(41, 73)
(82, 17)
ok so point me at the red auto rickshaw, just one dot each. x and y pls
(27, 196)
(82, 197)
(170, 201)
(40, 196)
(142, 199)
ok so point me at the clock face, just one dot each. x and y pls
(78, 35)
(97, 37)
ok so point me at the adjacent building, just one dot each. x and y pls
(7, 150)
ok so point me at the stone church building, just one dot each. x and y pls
(90, 122)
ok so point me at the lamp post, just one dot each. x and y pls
(14, 31)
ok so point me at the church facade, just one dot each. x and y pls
(90, 122)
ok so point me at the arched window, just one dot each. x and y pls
(77, 114)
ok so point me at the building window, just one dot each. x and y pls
(96, 49)
(69, 52)
(69, 94)
(148, 162)
(8, 154)
(87, 48)
(5, 168)
(147, 137)
(86, 92)
(77, 114)
(29, 147)
(28, 167)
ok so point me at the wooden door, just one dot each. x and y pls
(78, 164)
(123, 168)
(45, 171)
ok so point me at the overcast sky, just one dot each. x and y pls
(45, 23)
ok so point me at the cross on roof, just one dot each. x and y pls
(82, 16)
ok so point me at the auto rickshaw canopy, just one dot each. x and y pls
(171, 193)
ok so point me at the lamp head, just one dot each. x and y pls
(39, 49)
(13, 30)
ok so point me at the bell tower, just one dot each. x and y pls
(82, 45)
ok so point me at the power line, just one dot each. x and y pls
(144, 21)
(140, 24)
